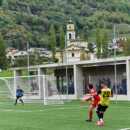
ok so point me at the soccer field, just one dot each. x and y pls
(70, 116)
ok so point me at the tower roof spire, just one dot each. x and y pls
(70, 21)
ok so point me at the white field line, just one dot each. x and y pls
(41, 110)
(12, 110)
(71, 107)
(125, 129)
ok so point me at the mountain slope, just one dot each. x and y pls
(30, 20)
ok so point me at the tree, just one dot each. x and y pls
(17, 18)
(53, 41)
(62, 41)
(98, 43)
(126, 47)
(1, 2)
(104, 45)
(91, 47)
(62, 38)
(3, 59)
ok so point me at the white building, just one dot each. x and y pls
(74, 45)
(14, 53)
(75, 48)
(43, 52)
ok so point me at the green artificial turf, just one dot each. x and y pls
(70, 116)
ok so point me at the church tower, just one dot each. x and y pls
(70, 31)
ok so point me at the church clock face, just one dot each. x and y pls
(70, 27)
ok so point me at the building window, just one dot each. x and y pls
(70, 36)
(72, 54)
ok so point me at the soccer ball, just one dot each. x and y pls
(100, 123)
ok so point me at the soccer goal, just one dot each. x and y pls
(37, 88)
(29, 84)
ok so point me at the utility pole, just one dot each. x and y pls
(115, 66)
(28, 63)
(66, 66)
(28, 58)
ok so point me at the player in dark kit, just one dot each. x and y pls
(19, 95)
(105, 94)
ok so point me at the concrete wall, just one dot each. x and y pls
(128, 78)
(78, 81)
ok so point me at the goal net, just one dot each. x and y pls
(30, 85)
(6, 90)
(51, 93)
(36, 88)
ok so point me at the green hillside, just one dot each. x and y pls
(30, 20)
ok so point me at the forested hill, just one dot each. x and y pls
(30, 20)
